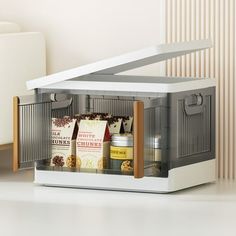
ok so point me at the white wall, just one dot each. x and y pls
(84, 31)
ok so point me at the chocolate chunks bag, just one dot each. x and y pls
(115, 123)
(93, 144)
(64, 132)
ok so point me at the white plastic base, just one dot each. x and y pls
(179, 178)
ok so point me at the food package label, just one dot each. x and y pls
(92, 145)
(63, 142)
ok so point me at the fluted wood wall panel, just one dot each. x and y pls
(199, 19)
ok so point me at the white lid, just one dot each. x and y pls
(123, 63)
(125, 85)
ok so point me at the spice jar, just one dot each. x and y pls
(153, 168)
(157, 148)
(121, 152)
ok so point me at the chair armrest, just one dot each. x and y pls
(8, 27)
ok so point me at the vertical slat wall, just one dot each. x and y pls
(199, 19)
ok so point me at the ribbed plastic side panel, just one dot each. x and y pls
(194, 131)
(35, 131)
(115, 106)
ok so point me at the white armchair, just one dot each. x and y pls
(22, 58)
(8, 27)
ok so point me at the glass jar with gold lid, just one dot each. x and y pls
(121, 152)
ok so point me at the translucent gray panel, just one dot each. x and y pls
(194, 131)
(71, 110)
(35, 131)
(113, 105)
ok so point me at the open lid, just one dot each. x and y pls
(124, 62)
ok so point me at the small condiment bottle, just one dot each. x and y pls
(157, 148)
(121, 152)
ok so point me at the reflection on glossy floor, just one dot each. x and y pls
(26, 209)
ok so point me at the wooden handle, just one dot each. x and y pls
(138, 139)
(16, 130)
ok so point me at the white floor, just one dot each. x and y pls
(26, 209)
